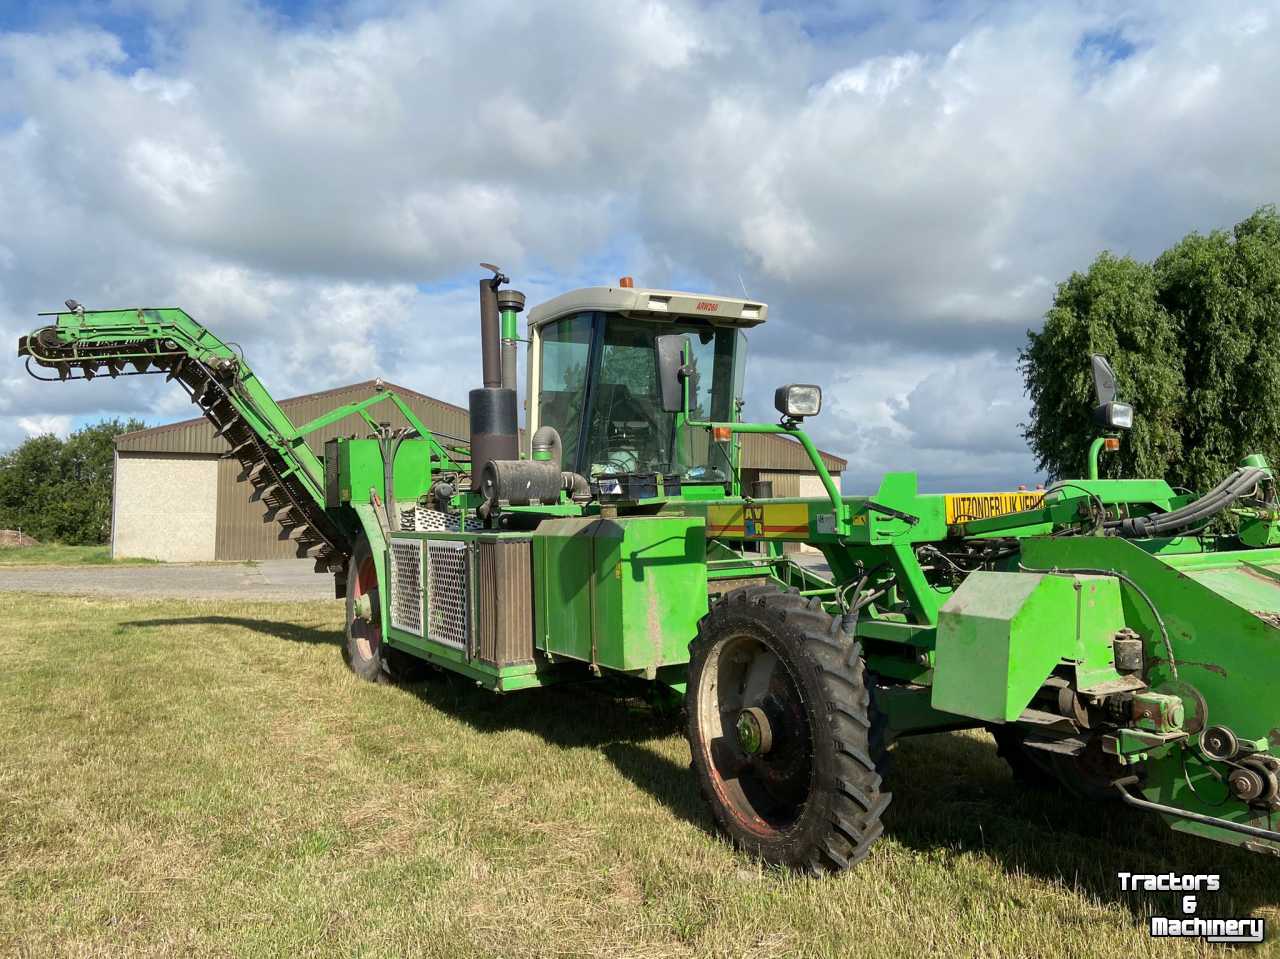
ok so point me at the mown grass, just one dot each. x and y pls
(55, 554)
(188, 779)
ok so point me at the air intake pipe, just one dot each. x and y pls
(547, 448)
(510, 303)
(532, 481)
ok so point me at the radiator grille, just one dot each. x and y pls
(448, 594)
(504, 601)
(406, 585)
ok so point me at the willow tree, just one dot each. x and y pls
(1110, 309)
(1224, 291)
(1195, 342)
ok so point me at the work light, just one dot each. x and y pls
(798, 400)
(1115, 416)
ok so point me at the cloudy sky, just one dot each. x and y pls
(904, 182)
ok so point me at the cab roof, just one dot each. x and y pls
(646, 304)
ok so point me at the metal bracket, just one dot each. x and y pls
(1122, 785)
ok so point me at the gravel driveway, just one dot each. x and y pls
(277, 579)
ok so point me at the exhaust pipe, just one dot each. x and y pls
(495, 425)
(490, 348)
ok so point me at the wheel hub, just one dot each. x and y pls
(363, 607)
(755, 734)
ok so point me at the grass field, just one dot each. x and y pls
(187, 779)
(55, 554)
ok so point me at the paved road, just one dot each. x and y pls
(277, 579)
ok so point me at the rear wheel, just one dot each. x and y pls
(780, 722)
(1088, 775)
(364, 649)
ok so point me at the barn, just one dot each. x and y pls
(176, 497)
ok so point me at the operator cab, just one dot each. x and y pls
(593, 375)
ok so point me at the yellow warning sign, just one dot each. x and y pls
(757, 521)
(967, 507)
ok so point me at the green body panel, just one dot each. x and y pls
(360, 469)
(622, 594)
(908, 709)
(1002, 634)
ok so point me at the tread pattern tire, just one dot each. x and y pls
(367, 663)
(1050, 773)
(840, 818)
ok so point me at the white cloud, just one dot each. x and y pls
(903, 188)
(44, 425)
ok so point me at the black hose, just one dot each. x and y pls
(390, 450)
(1214, 496)
(1227, 492)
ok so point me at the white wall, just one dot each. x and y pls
(165, 506)
(811, 485)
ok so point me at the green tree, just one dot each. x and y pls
(1195, 342)
(1224, 290)
(29, 484)
(60, 490)
(1110, 309)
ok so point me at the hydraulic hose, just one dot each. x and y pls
(390, 450)
(1231, 489)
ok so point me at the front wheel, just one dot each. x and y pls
(780, 721)
(364, 649)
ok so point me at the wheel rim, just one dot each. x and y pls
(366, 624)
(755, 734)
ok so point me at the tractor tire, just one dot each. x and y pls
(780, 723)
(364, 651)
(1026, 768)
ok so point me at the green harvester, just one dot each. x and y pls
(1114, 645)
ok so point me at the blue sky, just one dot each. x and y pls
(905, 183)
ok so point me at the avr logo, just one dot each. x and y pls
(1189, 925)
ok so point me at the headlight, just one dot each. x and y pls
(1115, 416)
(798, 400)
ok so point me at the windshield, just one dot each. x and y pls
(624, 429)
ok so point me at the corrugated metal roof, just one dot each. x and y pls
(195, 436)
(772, 451)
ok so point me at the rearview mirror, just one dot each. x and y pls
(670, 350)
(1104, 380)
(1109, 413)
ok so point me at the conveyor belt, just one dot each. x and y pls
(212, 388)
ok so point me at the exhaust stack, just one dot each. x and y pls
(494, 420)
